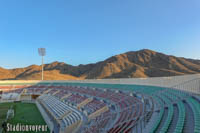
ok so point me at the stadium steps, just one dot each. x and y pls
(56, 92)
(65, 96)
(168, 114)
(195, 106)
(175, 119)
(167, 122)
(181, 118)
(178, 118)
(161, 115)
(197, 98)
(189, 119)
(83, 103)
(46, 91)
(162, 121)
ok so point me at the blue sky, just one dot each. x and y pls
(87, 31)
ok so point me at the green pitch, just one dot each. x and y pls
(25, 113)
(3, 112)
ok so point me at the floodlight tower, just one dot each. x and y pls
(42, 53)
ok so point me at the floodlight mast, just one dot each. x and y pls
(42, 53)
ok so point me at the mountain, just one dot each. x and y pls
(133, 64)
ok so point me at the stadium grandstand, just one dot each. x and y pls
(143, 105)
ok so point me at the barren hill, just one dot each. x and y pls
(143, 63)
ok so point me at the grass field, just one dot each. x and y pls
(3, 111)
(25, 113)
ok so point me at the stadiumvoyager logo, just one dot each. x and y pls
(26, 128)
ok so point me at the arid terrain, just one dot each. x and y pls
(143, 63)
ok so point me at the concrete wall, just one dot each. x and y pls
(173, 81)
(155, 81)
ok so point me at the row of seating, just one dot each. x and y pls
(100, 122)
(181, 118)
(93, 106)
(71, 118)
(61, 93)
(61, 112)
(176, 96)
(168, 120)
(18, 91)
(169, 99)
(75, 99)
(113, 97)
(127, 119)
(196, 111)
(52, 91)
(57, 107)
(127, 108)
(157, 123)
(108, 95)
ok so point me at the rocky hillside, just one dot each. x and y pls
(143, 63)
